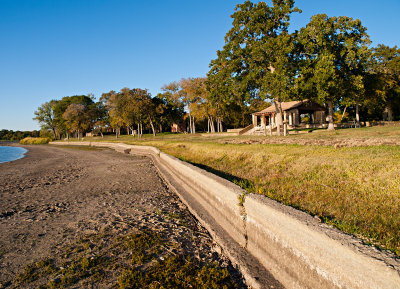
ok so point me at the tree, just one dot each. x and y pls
(332, 57)
(184, 94)
(61, 106)
(144, 109)
(101, 119)
(167, 111)
(129, 107)
(113, 103)
(384, 78)
(76, 118)
(45, 116)
(257, 58)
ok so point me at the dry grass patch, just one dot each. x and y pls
(356, 189)
(35, 140)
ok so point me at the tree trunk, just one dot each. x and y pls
(219, 124)
(344, 111)
(388, 113)
(160, 128)
(193, 125)
(152, 127)
(357, 113)
(190, 123)
(208, 124)
(141, 129)
(212, 125)
(54, 132)
(279, 121)
(330, 116)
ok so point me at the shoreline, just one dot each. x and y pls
(21, 154)
(55, 198)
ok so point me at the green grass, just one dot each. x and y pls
(139, 259)
(356, 189)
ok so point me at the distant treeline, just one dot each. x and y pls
(17, 135)
(130, 110)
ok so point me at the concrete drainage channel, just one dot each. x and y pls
(274, 246)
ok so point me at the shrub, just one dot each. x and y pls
(35, 140)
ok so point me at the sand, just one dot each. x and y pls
(56, 197)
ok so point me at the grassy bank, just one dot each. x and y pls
(357, 189)
(34, 140)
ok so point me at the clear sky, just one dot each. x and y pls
(55, 48)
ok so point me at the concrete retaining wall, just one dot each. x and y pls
(273, 245)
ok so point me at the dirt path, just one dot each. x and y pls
(64, 206)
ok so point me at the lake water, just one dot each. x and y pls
(8, 154)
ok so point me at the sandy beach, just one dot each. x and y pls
(59, 203)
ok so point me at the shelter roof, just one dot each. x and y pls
(306, 105)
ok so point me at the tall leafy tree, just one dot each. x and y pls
(384, 78)
(100, 119)
(167, 111)
(61, 106)
(333, 52)
(76, 118)
(114, 104)
(129, 107)
(185, 94)
(144, 109)
(257, 58)
(45, 116)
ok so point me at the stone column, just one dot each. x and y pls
(254, 120)
(290, 118)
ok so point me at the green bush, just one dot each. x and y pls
(35, 140)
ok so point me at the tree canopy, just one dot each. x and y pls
(328, 61)
(333, 56)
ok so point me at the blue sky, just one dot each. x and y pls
(55, 48)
